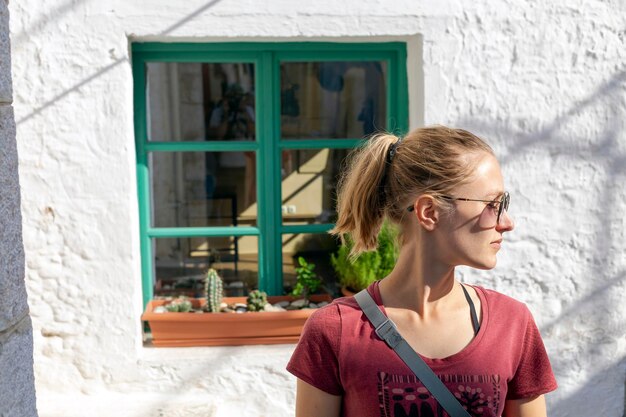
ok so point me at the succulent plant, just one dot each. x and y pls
(179, 305)
(213, 291)
(256, 300)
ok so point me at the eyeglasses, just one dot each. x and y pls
(501, 205)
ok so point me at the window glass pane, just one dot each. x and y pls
(331, 100)
(314, 248)
(308, 186)
(199, 189)
(197, 101)
(181, 264)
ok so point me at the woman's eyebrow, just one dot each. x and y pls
(494, 195)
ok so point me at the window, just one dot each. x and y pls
(239, 146)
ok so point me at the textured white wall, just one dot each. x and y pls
(544, 82)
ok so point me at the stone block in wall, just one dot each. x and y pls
(13, 303)
(6, 92)
(17, 381)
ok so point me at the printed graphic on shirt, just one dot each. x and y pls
(406, 396)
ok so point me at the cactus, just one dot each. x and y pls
(179, 305)
(256, 300)
(213, 291)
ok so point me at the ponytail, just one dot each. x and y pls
(362, 194)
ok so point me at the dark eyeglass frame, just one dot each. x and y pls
(503, 203)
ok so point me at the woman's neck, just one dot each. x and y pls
(419, 281)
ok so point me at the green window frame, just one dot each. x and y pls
(268, 146)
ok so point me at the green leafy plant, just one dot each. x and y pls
(368, 267)
(256, 300)
(307, 282)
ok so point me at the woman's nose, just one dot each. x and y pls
(506, 223)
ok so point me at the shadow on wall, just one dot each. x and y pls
(215, 376)
(45, 19)
(609, 92)
(596, 311)
(63, 10)
(583, 401)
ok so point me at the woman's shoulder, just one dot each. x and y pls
(335, 312)
(499, 302)
(326, 322)
(339, 306)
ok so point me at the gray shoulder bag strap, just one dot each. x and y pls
(386, 330)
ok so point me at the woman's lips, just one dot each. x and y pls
(497, 243)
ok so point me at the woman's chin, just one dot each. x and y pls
(484, 264)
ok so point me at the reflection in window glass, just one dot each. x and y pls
(309, 184)
(332, 99)
(200, 189)
(315, 249)
(181, 264)
(197, 102)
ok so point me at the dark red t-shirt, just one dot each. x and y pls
(340, 354)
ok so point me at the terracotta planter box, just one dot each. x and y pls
(220, 329)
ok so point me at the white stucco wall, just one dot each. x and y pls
(544, 82)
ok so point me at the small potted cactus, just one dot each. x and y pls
(256, 301)
(259, 324)
(213, 290)
(179, 305)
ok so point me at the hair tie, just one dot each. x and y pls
(392, 150)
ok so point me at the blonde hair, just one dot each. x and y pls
(378, 183)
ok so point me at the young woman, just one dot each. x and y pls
(444, 190)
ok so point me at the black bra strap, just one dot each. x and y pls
(475, 322)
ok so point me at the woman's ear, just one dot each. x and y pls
(427, 212)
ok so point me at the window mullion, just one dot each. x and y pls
(268, 176)
(320, 143)
(211, 231)
(204, 146)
